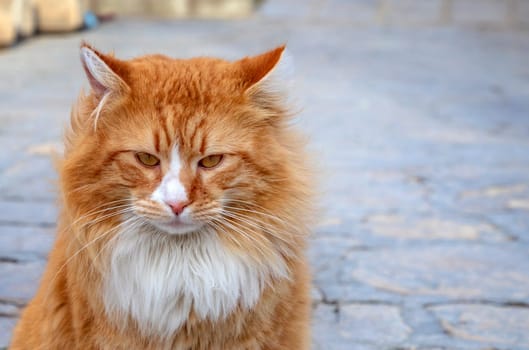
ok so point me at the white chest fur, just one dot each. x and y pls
(157, 279)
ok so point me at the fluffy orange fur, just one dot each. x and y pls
(256, 202)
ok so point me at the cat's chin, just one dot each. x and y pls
(177, 228)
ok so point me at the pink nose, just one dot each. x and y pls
(178, 207)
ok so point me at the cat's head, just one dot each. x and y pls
(182, 146)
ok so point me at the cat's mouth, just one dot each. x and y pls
(177, 227)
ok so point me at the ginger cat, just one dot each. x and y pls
(185, 205)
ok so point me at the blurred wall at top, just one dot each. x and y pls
(498, 13)
(23, 18)
(175, 8)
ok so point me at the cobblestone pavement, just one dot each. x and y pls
(422, 137)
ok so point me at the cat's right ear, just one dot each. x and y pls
(102, 72)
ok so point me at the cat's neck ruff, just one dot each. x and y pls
(158, 279)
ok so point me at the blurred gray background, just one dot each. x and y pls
(417, 113)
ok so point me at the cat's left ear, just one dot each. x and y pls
(264, 70)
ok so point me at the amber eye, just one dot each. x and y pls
(147, 159)
(210, 161)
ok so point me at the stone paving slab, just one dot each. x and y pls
(25, 243)
(6, 326)
(18, 281)
(490, 324)
(28, 213)
(359, 326)
(449, 271)
(421, 135)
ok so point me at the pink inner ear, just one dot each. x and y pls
(98, 88)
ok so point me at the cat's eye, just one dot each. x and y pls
(210, 161)
(147, 159)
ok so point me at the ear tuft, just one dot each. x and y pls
(103, 80)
